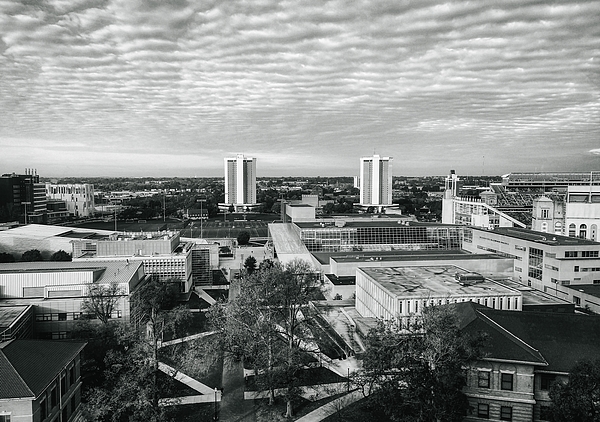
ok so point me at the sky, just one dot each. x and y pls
(172, 87)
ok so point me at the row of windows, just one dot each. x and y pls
(46, 407)
(506, 380)
(69, 316)
(584, 254)
(483, 411)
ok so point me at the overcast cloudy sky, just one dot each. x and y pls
(170, 87)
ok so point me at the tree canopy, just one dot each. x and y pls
(415, 371)
(6, 257)
(32, 255)
(579, 398)
(264, 324)
(60, 256)
(243, 238)
(250, 264)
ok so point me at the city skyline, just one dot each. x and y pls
(161, 89)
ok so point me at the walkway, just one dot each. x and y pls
(332, 407)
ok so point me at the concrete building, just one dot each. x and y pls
(41, 381)
(401, 292)
(79, 198)
(56, 290)
(162, 253)
(376, 181)
(560, 203)
(22, 197)
(240, 182)
(300, 212)
(523, 354)
(547, 262)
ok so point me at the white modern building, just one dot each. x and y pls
(376, 181)
(240, 182)
(555, 264)
(79, 198)
(401, 292)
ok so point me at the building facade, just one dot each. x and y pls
(402, 292)
(524, 353)
(240, 182)
(547, 262)
(38, 390)
(79, 198)
(22, 197)
(56, 290)
(375, 181)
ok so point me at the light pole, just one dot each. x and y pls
(216, 417)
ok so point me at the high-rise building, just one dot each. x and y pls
(240, 182)
(375, 181)
(22, 197)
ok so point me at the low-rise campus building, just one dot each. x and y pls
(523, 354)
(40, 380)
(401, 292)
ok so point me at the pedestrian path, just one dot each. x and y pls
(205, 296)
(189, 381)
(184, 339)
(332, 407)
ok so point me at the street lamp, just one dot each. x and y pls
(216, 417)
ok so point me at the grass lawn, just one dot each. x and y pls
(359, 411)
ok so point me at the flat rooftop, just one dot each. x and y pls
(119, 271)
(437, 281)
(532, 296)
(383, 222)
(420, 255)
(590, 289)
(541, 238)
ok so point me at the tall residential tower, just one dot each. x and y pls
(376, 181)
(240, 182)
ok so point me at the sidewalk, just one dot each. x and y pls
(331, 407)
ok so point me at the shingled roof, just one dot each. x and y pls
(556, 341)
(27, 367)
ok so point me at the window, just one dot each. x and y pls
(72, 375)
(582, 231)
(65, 413)
(546, 380)
(506, 413)
(62, 316)
(483, 410)
(43, 410)
(577, 300)
(506, 381)
(545, 213)
(4, 418)
(63, 385)
(589, 254)
(483, 379)
(572, 230)
(570, 254)
(53, 397)
(73, 404)
(576, 268)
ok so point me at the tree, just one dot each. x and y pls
(60, 256)
(415, 370)
(579, 398)
(32, 256)
(132, 384)
(243, 238)
(264, 325)
(6, 257)
(102, 300)
(250, 264)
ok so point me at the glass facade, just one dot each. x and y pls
(381, 238)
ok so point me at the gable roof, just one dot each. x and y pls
(12, 385)
(500, 343)
(31, 365)
(556, 341)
